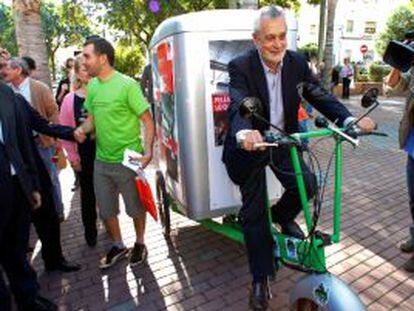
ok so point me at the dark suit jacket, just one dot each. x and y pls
(247, 79)
(17, 141)
(34, 121)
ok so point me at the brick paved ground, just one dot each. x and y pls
(201, 270)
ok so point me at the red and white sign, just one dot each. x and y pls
(221, 102)
(363, 49)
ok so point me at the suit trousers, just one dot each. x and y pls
(47, 225)
(248, 171)
(346, 82)
(46, 154)
(88, 200)
(14, 235)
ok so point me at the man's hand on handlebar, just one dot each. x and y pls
(367, 125)
(249, 138)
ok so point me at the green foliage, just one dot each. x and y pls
(135, 19)
(377, 72)
(401, 21)
(64, 25)
(129, 60)
(136, 23)
(311, 49)
(7, 32)
(291, 4)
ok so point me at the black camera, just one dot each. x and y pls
(400, 55)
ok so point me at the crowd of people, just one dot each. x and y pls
(97, 113)
(94, 124)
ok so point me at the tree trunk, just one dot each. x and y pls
(330, 31)
(52, 63)
(322, 31)
(30, 36)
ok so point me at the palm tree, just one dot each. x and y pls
(330, 30)
(30, 36)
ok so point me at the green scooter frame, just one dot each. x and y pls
(318, 289)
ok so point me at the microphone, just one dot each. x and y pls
(251, 107)
(369, 98)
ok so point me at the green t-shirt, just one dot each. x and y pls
(116, 105)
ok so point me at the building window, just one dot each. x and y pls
(349, 26)
(313, 30)
(370, 28)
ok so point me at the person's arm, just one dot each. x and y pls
(397, 83)
(240, 128)
(43, 126)
(330, 106)
(66, 117)
(23, 134)
(149, 134)
(238, 90)
(62, 92)
(393, 78)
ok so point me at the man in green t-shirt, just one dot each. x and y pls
(116, 106)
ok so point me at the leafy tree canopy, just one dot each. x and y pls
(64, 25)
(400, 22)
(7, 31)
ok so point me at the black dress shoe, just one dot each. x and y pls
(40, 304)
(292, 228)
(63, 266)
(91, 240)
(259, 296)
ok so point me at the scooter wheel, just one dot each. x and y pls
(163, 203)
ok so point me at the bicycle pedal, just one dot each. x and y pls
(325, 237)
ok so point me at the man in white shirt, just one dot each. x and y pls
(270, 73)
(40, 97)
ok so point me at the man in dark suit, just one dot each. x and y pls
(271, 73)
(19, 193)
(45, 218)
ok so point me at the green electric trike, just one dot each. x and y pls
(318, 289)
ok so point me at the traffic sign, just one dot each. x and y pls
(363, 49)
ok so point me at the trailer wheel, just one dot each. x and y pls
(163, 203)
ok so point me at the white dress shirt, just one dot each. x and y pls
(23, 89)
(274, 89)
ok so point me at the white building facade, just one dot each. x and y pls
(357, 23)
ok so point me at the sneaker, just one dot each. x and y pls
(407, 246)
(138, 254)
(112, 257)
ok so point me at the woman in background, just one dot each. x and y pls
(81, 156)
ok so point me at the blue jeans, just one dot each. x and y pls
(410, 185)
(46, 154)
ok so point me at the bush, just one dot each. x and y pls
(310, 49)
(129, 60)
(361, 73)
(377, 72)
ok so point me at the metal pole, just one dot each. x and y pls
(322, 32)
